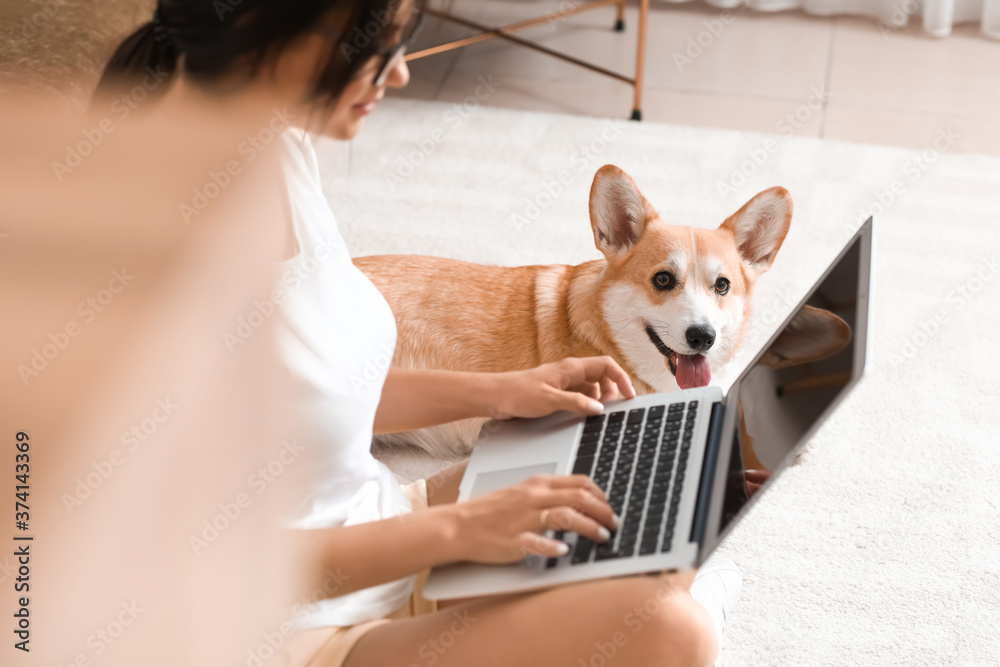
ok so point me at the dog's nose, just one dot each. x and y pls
(700, 338)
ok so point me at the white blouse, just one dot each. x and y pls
(336, 334)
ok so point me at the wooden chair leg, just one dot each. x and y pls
(620, 17)
(640, 60)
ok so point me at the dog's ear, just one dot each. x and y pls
(814, 334)
(760, 227)
(618, 211)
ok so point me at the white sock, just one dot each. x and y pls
(717, 588)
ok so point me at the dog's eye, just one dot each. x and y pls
(664, 280)
(721, 286)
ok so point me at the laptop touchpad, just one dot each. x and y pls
(494, 480)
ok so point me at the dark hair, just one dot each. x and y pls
(214, 36)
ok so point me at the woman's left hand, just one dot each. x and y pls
(577, 384)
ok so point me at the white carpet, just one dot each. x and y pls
(883, 546)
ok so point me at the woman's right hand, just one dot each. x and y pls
(506, 525)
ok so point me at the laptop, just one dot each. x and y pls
(682, 468)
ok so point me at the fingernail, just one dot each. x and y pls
(616, 521)
(596, 406)
(604, 534)
(562, 548)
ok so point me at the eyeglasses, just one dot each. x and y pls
(390, 55)
(394, 54)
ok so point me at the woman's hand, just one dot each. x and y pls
(576, 384)
(413, 399)
(506, 525)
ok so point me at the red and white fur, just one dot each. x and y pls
(668, 302)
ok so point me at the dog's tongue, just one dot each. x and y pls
(693, 371)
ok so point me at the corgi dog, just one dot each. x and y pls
(669, 303)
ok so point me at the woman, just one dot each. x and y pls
(331, 62)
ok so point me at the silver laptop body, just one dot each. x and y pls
(671, 463)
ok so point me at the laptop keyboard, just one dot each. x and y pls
(633, 456)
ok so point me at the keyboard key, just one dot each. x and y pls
(619, 487)
(646, 548)
(616, 417)
(582, 550)
(636, 415)
(630, 532)
(587, 449)
(583, 465)
(608, 555)
(675, 497)
(626, 550)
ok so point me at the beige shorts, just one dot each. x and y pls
(329, 647)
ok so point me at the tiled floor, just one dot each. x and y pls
(843, 78)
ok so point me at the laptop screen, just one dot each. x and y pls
(805, 370)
